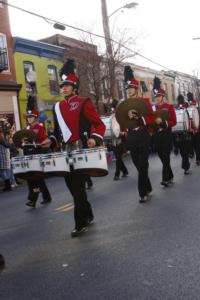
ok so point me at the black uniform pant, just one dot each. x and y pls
(120, 166)
(138, 144)
(185, 147)
(183, 143)
(196, 145)
(82, 209)
(163, 144)
(35, 186)
(88, 181)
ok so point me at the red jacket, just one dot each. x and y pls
(40, 130)
(172, 114)
(80, 116)
(150, 118)
(183, 105)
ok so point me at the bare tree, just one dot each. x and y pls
(121, 53)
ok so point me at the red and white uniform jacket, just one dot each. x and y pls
(40, 130)
(183, 106)
(75, 117)
(150, 118)
(172, 115)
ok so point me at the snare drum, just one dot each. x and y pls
(92, 161)
(28, 166)
(112, 127)
(18, 166)
(194, 116)
(182, 121)
(55, 163)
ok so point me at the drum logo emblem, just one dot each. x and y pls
(74, 105)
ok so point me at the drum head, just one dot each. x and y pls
(93, 172)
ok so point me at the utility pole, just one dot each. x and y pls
(111, 61)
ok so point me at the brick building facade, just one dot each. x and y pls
(9, 88)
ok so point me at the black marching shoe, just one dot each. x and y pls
(116, 178)
(2, 263)
(7, 187)
(45, 201)
(198, 163)
(149, 193)
(125, 175)
(143, 199)
(90, 221)
(89, 187)
(78, 231)
(31, 203)
(187, 172)
(165, 183)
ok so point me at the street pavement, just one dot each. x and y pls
(132, 251)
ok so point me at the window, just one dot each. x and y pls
(28, 66)
(53, 80)
(173, 92)
(29, 73)
(4, 64)
(166, 91)
(143, 86)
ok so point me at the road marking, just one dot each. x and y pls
(65, 207)
(68, 208)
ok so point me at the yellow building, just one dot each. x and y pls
(37, 65)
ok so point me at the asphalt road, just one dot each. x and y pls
(133, 251)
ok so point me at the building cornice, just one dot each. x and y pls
(10, 86)
(38, 48)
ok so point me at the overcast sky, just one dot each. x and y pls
(164, 29)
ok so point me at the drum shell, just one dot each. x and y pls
(194, 116)
(27, 167)
(92, 162)
(112, 127)
(56, 163)
(182, 121)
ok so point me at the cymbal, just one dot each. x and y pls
(29, 135)
(132, 103)
(162, 113)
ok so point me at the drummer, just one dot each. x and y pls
(41, 145)
(163, 137)
(138, 139)
(76, 119)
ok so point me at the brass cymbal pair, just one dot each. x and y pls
(142, 109)
(26, 134)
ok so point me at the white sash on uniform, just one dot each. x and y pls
(66, 132)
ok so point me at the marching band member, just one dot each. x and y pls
(42, 142)
(74, 116)
(138, 139)
(195, 131)
(119, 148)
(163, 136)
(183, 140)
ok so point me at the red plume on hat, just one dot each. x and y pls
(157, 90)
(67, 73)
(129, 79)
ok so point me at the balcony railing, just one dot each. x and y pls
(3, 59)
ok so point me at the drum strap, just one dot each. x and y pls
(63, 126)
